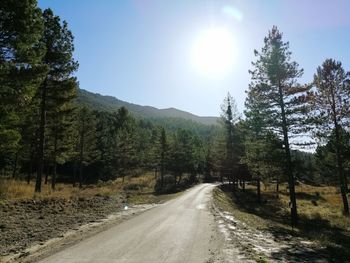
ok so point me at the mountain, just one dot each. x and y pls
(109, 103)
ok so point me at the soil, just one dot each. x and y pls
(28, 223)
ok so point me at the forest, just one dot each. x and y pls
(289, 132)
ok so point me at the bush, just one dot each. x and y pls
(134, 187)
(169, 185)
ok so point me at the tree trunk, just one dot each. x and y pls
(41, 138)
(81, 155)
(258, 189)
(54, 168)
(162, 164)
(80, 175)
(180, 178)
(74, 173)
(277, 185)
(46, 169)
(29, 175)
(340, 171)
(162, 176)
(291, 181)
(14, 171)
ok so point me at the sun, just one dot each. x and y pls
(213, 52)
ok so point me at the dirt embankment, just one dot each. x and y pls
(27, 223)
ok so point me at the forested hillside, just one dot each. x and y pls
(109, 103)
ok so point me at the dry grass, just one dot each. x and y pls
(319, 209)
(316, 203)
(19, 190)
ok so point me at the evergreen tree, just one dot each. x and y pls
(86, 152)
(275, 90)
(163, 154)
(57, 91)
(208, 168)
(181, 154)
(230, 116)
(125, 158)
(105, 145)
(331, 103)
(262, 157)
(21, 70)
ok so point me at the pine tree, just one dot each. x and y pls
(57, 91)
(163, 154)
(125, 157)
(21, 70)
(86, 152)
(105, 145)
(230, 116)
(331, 103)
(275, 90)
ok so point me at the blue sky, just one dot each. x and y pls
(139, 50)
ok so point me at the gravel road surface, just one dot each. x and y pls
(180, 230)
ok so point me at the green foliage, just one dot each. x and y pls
(21, 70)
(275, 101)
(330, 103)
(263, 156)
(163, 117)
(330, 98)
(167, 186)
(232, 153)
(326, 157)
(55, 94)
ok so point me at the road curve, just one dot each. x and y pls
(178, 231)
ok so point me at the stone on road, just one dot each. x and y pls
(177, 231)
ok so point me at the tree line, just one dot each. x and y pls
(46, 133)
(283, 116)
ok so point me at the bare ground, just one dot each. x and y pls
(31, 230)
(181, 230)
(28, 227)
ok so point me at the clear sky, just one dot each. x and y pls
(141, 51)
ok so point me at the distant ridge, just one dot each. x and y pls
(109, 103)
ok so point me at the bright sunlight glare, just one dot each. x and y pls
(213, 52)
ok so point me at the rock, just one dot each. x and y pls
(24, 254)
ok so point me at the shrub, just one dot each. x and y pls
(169, 185)
(134, 187)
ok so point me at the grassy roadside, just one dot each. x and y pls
(136, 190)
(321, 220)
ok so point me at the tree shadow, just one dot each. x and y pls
(307, 196)
(335, 241)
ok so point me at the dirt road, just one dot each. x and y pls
(181, 230)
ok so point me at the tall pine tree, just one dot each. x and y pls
(57, 90)
(230, 160)
(331, 104)
(279, 98)
(21, 70)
